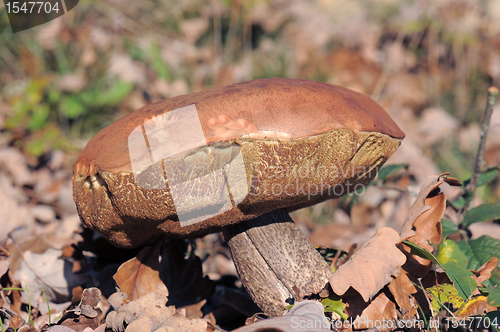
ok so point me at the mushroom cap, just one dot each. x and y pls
(188, 165)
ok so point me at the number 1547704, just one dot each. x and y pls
(30, 7)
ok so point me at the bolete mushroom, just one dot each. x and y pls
(232, 159)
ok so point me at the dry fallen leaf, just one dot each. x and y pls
(87, 315)
(140, 275)
(380, 310)
(27, 328)
(423, 224)
(427, 226)
(59, 328)
(16, 322)
(194, 310)
(149, 313)
(484, 272)
(101, 328)
(88, 305)
(428, 232)
(420, 206)
(477, 306)
(13, 210)
(370, 268)
(4, 267)
(52, 272)
(15, 164)
(402, 289)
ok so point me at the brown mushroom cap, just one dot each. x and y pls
(312, 140)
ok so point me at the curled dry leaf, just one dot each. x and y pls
(420, 206)
(428, 232)
(484, 272)
(88, 305)
(423, 224)
(370, 268)
(87, 315)
(140, 275)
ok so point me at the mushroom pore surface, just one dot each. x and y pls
(237, 151)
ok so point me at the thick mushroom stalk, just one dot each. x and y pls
(230, 159)
(277, 265)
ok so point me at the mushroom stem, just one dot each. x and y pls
(277, 265)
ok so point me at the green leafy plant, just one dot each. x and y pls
(334, 304)
(42, 116)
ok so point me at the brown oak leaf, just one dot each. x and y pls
(402, 289)
(140, 275)
(378, 313)
(423, 224)
(420, 206)
(371, 267)
(484, 272)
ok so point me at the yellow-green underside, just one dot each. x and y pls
(114, 205)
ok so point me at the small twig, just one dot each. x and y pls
(427, 298)
(352, 249)
(403, 191)
(388, 67)
(471, 187)
(231, 34)
(334, 260)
